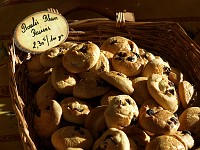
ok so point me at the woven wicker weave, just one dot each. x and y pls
(166, 39)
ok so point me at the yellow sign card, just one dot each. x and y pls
(40, 32)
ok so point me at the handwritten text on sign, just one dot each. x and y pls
(41, 31)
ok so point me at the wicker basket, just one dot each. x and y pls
(166, 39)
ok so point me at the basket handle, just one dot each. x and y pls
(102, 8)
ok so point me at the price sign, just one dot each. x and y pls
(40, 32)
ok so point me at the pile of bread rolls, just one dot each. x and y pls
(112, 96)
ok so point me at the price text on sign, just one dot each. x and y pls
(41, 31)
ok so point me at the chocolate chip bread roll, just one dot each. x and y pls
(118, 80)
(81, 57)
(112, 139)
(74, 110)
(190, 120)
(63, 81)
(156, 66)
(118, 43)
(47, 118)
(69, 137)
(156, 120)
(165, 142)
(163, 91)
(121, 111)
(128, 63)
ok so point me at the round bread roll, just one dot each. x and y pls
(47, 118)
(165, 142)
(163, 91)
(187, 94)
(81, 57)
(118, 43)
(155, 66)
(127, 62)
(158, 122)
(74, 110)
(63, 81)
(118, 80)
(52, 57)
(69, 137)
(112, 139)
(95, 121)
(101, 65)
(185, 137)
(190, 120)
(121, 111)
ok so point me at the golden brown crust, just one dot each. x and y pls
(128, 63)
(163, 91)
(121, 111)
(165, 142)
(155, 66)
(72, 137)
(187, 94)
(112, 139)
(158, 122)
(118, 80)
(119, 43)
(74, 110)
(81, 57)
(63, 81)
(47, 118)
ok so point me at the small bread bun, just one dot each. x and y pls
(158, 122)
(81, 57)
(112, 139)
(190, 120)
(163, 91)
(47, 118)
(69, 137)
(118, 80)
(118, 43)
(165, 142)
(155, 66)
(121, 111)
(187, 94)
(63, 81)
(127, 62)
(74, 110)
(67, 45)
